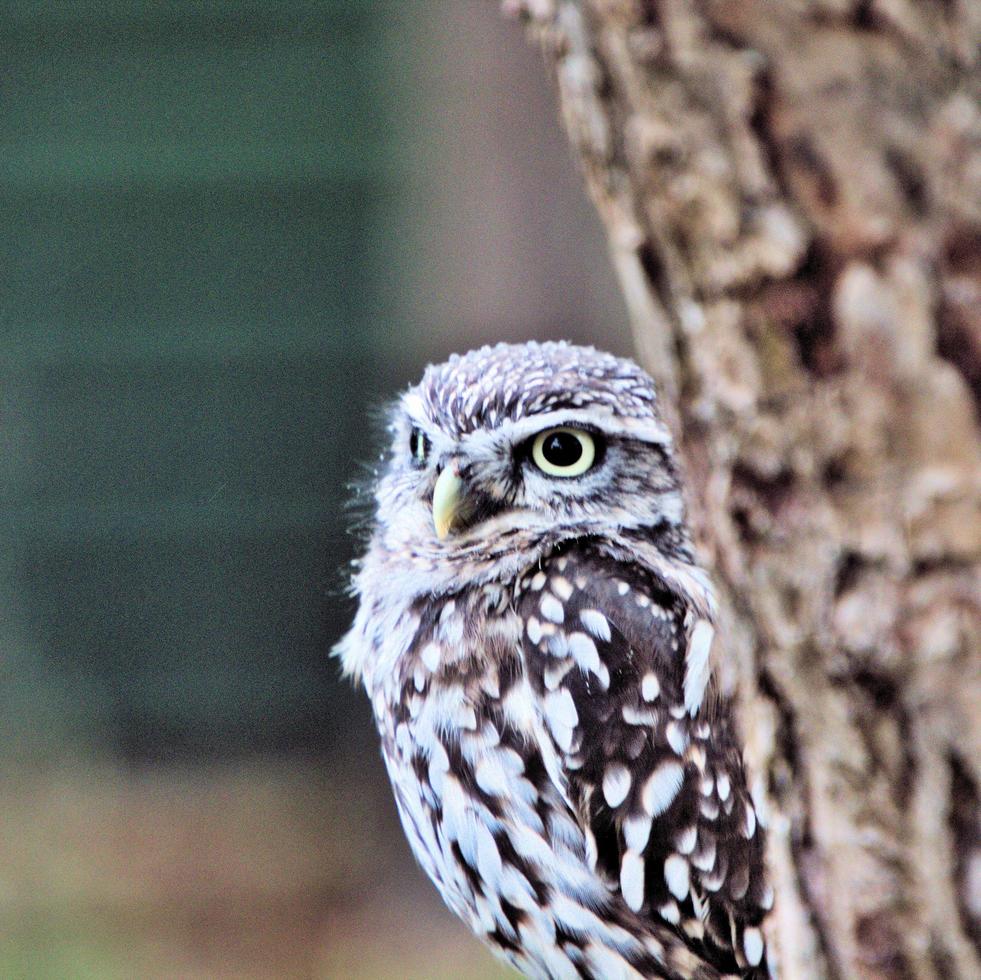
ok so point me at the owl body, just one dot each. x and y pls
(538, 665)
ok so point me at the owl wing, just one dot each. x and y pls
(643, 753)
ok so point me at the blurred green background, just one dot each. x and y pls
(230, 231)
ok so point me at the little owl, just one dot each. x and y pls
(534, 635)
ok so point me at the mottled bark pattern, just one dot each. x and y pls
(792, 192)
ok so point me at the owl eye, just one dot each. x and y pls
(418, 447)
(563, 451)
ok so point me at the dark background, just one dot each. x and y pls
(230, 232)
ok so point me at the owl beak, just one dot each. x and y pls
(447, 500)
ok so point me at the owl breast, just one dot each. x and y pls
(557, 783)
(461, 738)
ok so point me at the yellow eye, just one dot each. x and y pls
(563, 451)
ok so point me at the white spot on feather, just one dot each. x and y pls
(697, 666)
(709, 809)
(766, 899)
(551, 608)
(403, 738)
(555, 673)
(584, 651)
(722, 784)
(439, 766)
(562, 717)
(558, 643)
(713, 882)
(606, 962)
(451, 624)
(484, 914)
(676, 876)
(750, 828)
(616, 784)
(430, 655)
(530, 845)
(488, 857)
(753, 946)
(632, 880)
(704, 860)
(575, 918)
(634, 716)
(662, 787)
(490, 775)
(562, 587)
(676, 737)
(519, 709)
(650, 687)
(534, 630)
(636, 832)
(516, 889)
(686, 840)
(491, 682)
(454, 808)
(654, 948)
(596, 623)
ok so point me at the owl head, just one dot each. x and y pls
(511, 448)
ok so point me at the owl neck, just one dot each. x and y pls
(408, 571)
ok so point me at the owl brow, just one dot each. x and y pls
(610, 426)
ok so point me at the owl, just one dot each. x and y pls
(534, 635)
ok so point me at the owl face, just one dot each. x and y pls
(524, 443)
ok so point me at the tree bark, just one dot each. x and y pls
(792, 195)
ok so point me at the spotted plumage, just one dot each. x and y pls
(536, 640)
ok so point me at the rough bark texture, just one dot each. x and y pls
(792, 192)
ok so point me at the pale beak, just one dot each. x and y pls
(447, 501)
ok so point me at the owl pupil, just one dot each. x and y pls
(418, 446)
(562, 449)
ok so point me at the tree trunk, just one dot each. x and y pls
(792, 194)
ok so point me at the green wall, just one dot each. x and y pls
(195, 307)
